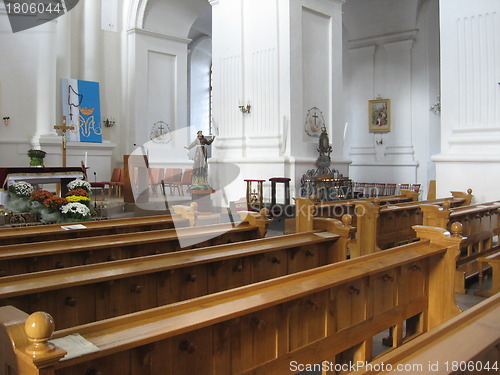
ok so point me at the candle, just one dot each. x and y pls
(85, 160)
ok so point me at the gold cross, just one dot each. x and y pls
(63, 128)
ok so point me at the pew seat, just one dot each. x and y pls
(39, 233)
(310, 316)
(40, 256)
(82, 294)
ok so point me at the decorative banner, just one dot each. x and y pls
(82, 108)
(25, 14)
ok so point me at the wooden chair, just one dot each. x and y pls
(116, 178)
(390, 189)
(172, 177)
(380, 189)
(155, 177)
(93, 185)
(186, 180)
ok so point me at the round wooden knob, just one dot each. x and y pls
(238, 268)
(136, 288)
(93, 371)
(39, 328)
(191, 278)
(59, 265)
(259, 323)
(376, 201)
(70, 301)
(275, 260)
(111, 258)
(313, 198)
(313, 305)
(346, 220)
(309, 253)
(456, 229)
(469, 191)
(3, 273)
(187, 346)
(446, 205)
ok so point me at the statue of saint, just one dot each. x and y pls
(200, 166)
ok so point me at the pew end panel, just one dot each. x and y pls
(261, 220)
(467, 197)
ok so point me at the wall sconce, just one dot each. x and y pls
(244, 108)
(6, 121)
(109, 123)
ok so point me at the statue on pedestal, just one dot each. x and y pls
(200, 166)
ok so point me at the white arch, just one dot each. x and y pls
(137, 10)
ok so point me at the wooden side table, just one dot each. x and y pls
(255, 197)
(283, 180)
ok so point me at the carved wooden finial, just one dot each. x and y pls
(264, 212)
(456, 229)
(446, 205)
(193, 206)
(469, 191)
(376, 201)
(39, 328)
(346, 220)
(313, 198)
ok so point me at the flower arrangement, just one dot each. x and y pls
(40, 195)
(36, 157)
(75, 211)
(21, 189)
(78, 195)
(79, 184)
(55, 203)
(36, 154)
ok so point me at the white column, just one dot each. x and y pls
(46, 82)
(91, 62)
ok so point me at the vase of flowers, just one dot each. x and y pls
(51, 212)
(18, 196)
(79, 184)
(79, 195)
(75, 212)
(36, 200)
(36, 157)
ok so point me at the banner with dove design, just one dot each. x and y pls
(82, 108)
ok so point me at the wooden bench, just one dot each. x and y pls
(79, 295)
(494, 261)
(466, 344)
(326, 313)
(32, 257)
(481, 227)
(379, 226)
(39, 233)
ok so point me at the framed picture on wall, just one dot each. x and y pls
(379, 115)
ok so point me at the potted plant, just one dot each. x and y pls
(36, 157)
(18, 197)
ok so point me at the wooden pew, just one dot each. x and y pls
(466, 344)
(39, 233)
(79, 295)
(40, 256)
(494, 261)
(379, 226)
(328, 313)
(336, 209)
(481, 227)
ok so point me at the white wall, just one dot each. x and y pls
(398, 60)
(470, 117)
